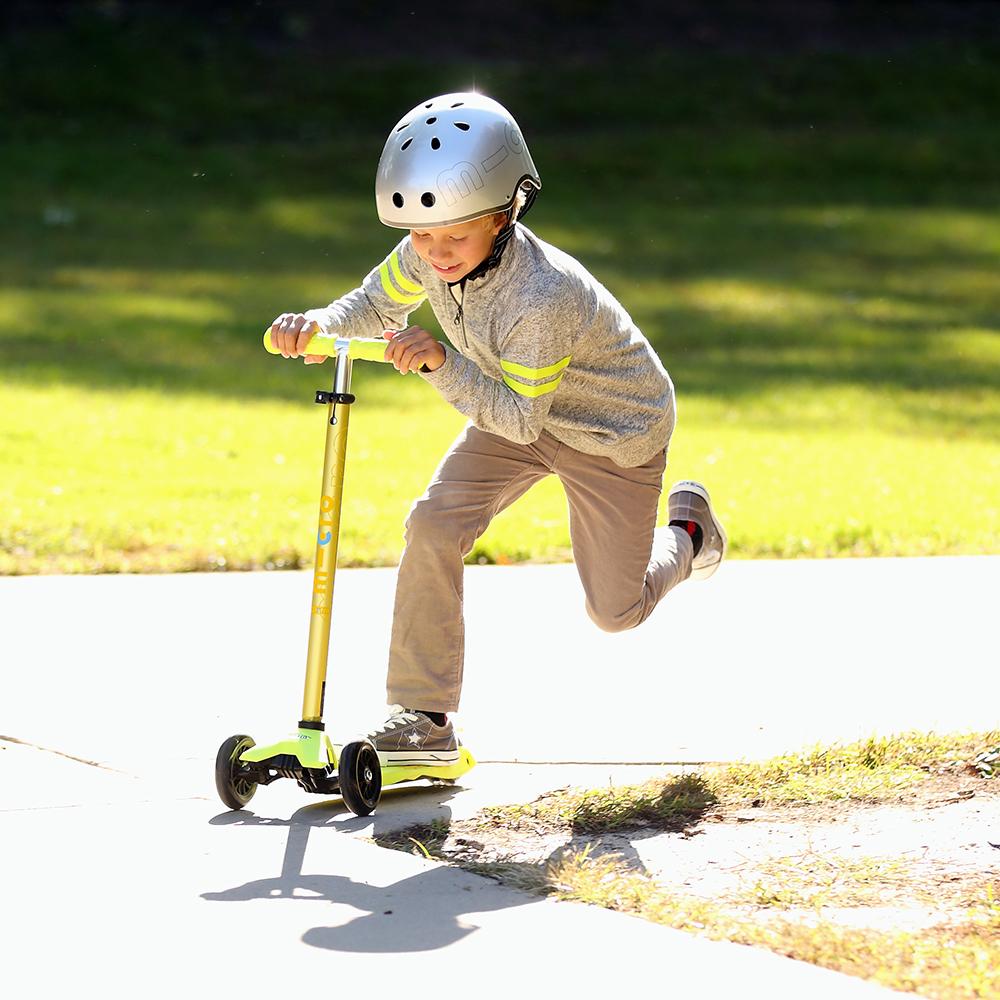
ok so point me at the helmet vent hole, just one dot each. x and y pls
(401, 127)
(397, 200)
(427, 199)
(431, 105)
(431, 121)
(461, 125)
(460, 103)
(405, 144)
(435, 143)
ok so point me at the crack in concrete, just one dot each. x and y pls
(104, 804)
(68, 756)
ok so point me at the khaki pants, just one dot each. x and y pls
(626, 564)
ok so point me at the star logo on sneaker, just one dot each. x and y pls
(414, 739)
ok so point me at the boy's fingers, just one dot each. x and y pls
(388, 336)
(394, 352)
(405, 347)
(281, 335)
(304, 335)
(423, 349)
(409, 361)
(292, 337)
(406, 355)
(275, 338)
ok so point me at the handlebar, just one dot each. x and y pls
(356, 348)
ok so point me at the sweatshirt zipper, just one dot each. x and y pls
(460, 315)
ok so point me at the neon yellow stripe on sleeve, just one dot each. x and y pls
(401, 279)
(531, 391)
(522, 371)
(394, 293)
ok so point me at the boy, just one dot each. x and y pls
(554, 377)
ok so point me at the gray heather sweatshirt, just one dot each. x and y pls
(539, 344)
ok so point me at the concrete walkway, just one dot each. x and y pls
(121, 871)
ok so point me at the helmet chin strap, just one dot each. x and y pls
(502, 239)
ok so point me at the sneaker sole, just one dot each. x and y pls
(689, 486)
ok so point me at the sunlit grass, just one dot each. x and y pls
(667, 804)
(825, 299)
(829, 879)
(782, 903)
(877, 769)
(142, 480)
(954, 960)
(136, 382)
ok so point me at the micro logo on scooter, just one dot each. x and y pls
(322, 590)
(325, 520)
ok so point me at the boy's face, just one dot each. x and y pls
(455, 251)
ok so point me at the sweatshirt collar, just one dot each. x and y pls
(499, 261)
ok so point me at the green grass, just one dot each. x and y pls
(951, 961)
(818, 274)
(877, 769)
(666, 804)
(830, 880)
(786, 903)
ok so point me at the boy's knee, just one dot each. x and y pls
(424, 521)
(614, 621)
(430, 524)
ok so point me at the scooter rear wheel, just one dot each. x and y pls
(360, 777)
(234, 789)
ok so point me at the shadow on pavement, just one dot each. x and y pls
(420, 913)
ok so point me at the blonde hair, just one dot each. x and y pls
(510, 216)
(519, 199)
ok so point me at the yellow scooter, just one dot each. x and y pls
(308, 756)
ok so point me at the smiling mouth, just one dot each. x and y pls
(447, 270)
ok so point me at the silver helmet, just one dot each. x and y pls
(452, 159)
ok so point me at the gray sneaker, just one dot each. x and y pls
(688, 501)
(410, 739)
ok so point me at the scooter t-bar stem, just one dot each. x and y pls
(345, 350)
(327, 540)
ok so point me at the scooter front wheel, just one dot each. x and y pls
(360, 777)
(234, 788)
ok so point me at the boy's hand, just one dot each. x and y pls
(412, 348)
(290, 333)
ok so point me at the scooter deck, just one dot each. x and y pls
(313, 752)
(394, 775)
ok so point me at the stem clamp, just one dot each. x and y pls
(324, 397)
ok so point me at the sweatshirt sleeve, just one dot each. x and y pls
(384, 300)
(533, 359)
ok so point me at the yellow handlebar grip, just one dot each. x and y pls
(358, 348)
(367, 348)
(318, 344)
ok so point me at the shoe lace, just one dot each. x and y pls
(398, 716)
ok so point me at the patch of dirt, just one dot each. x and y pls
(917, 862)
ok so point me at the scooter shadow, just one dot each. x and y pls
(415, 914)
